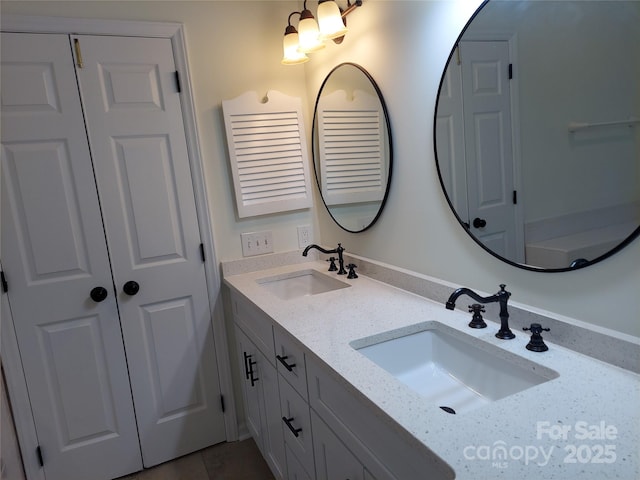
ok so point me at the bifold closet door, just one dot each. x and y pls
(132, 106)
(56, 261)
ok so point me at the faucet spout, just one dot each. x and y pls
(339, 249)
(502, 297)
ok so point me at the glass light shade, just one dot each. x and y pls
(292, 56)
(330, 20)
(309, 34)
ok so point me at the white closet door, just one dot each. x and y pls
(54, 254)
(129, 92)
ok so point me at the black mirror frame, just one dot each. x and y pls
(577, 265)
(388, 126)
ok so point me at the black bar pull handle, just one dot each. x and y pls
(251, 372)
(246, 365)
(295, 431)
(283, 361)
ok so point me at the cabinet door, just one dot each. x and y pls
(295, 470)
(333, 460)
(54, 254)
(262, 403)
(247, 361)
(134, 122)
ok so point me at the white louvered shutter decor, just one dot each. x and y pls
(352, 150)
(268, 153)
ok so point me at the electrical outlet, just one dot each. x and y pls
(304, 236)
(256, 243)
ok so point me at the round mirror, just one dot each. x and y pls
(352, 149)
(537, 130)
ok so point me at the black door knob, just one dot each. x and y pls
(98, 294)
(131, 288)
(479, 222)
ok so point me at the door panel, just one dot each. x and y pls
(167, 341)
(142, 169)
(488, 143)
(90, 417)
(450, 140)
(152, 215)
(54, 253)
(40, 170)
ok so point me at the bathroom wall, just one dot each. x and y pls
(235, 46)
(404, 45)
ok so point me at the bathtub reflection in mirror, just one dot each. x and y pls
(352, 148)
(537, 130)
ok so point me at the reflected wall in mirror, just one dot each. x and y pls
(352, 148)
(537, 130)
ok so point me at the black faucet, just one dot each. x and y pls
(501, 297)
(339, 249)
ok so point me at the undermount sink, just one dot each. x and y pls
(301, 284)
(451, 369)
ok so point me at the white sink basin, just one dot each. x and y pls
(301, 284)
(452, 369)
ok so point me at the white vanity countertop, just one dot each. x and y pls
(584, 424)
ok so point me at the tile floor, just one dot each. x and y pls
(225, 461)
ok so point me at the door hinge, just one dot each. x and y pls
(76, 45)
(178, 84)
(3, 281)
(39, 455)
(222, 403)
(515, 197)
(510, 71)
(202, 251)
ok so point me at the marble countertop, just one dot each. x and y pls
(583, 424)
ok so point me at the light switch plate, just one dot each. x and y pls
(256, 243)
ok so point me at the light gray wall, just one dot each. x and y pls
(235, 46)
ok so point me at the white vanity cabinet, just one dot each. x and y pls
(305, 417)
(259, 377)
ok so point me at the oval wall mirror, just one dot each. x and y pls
(537, 130)
(352, 147)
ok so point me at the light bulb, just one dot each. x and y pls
(290, 43)
(330, 20)
(308, 33)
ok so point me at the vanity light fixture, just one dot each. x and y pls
(311, 35)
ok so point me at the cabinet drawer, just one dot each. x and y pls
(254, 323)
(296, 425)
(290, 362)
(333, 460)
(295, 471)
(386, 451)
